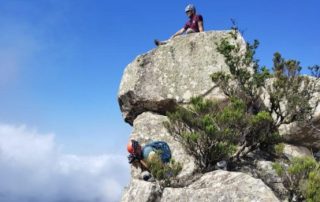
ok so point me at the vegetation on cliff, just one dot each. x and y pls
(302, 177)
(212, 131)
(165, 173)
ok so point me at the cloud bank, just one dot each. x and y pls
(33, 169)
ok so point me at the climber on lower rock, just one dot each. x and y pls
(193, 25)
(140, 156)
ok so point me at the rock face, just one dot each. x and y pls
(303, 135)
(291, 151)
(142, 191)
(270, 178)
(213, 186)
(222, 186)
(170, 75)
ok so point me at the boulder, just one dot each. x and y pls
(291, 151)
(269, 176)
(149, 127)
(141, 191)
(218, 185)
(221, 186)
(301, 134)
(173, 73)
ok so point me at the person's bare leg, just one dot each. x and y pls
(189, 31)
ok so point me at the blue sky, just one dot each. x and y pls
(61, 61)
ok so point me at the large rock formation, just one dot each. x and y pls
(213, 186)
(170, 75)
(222, 186)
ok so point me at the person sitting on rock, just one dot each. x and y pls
(194, 24)
(140, 156)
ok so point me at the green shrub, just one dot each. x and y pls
(301, 167)
(288, 86)
(278, 168)
(212, 131)
(302, 177)
(279, 149)
(312, 192)
(200, 127)
(164, 172)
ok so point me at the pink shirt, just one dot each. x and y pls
(193, 23)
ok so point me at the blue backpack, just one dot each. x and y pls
(164, 148)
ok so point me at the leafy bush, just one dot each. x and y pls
(301, 177)
(279, 149)
(211, 131)
(315, 71)
(312, 192)
(289, 91)
(197, 128)
(163, 172)
(278, 168)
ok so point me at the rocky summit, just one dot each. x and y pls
(169, 75)
(172, 74)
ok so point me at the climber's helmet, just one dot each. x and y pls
(190, 7)
(133, 147)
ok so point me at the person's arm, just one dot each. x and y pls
(178, 32)
(200, 25)
(144, 165)
(138, 163)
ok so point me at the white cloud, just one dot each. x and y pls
(33, 169)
